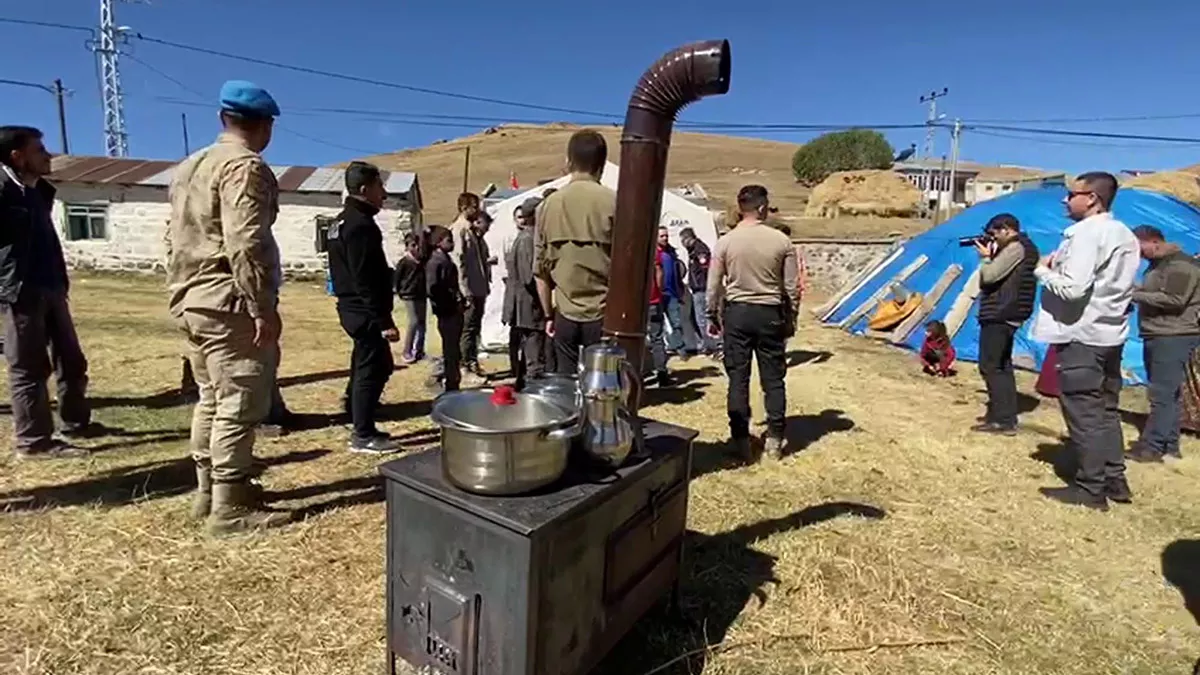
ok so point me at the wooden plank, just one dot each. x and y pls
(930, 300)
(835, 303)
(957, 315)
(883, 291)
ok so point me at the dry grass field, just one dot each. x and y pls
(722, 164)
(889, 541)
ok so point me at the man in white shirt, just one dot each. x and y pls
(1087, 285)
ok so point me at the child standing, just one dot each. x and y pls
(937, 354)
(446, 301)
(410, 287)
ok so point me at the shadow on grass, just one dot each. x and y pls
(1181, 569)
(675, 394)
(127, 485)
(358, 491)
(803, 357)
(722, 573)
(1058, 456)
(802, 431)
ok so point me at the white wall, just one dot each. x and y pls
(137, 218)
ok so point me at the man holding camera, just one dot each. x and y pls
(1007, 287)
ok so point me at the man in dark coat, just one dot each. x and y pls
(39, 334)
(362, 282)
(522, 309)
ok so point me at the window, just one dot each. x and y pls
(322, 233)
(87, 221)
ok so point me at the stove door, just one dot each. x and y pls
(450, 627)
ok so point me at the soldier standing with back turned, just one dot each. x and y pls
(220, 262)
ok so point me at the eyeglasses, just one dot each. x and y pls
(1075, 193)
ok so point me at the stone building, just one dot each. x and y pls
(111, 214)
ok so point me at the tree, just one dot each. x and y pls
(841, 151)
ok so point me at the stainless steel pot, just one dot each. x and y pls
(503, 449)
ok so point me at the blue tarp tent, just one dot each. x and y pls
(1043, 218)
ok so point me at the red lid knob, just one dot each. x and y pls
(504, 395)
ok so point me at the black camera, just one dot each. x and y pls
(982, 240)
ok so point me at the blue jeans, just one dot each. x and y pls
(1166, 360)
(414, 333)
(700, 314)
(674, 315)
(658, 348)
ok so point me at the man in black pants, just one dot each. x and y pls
(362, 282)
(1007, 289)
(753, 271)
(1087, 285)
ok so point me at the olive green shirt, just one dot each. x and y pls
(221, 254)
(573, 246)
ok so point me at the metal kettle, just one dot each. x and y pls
(606, 381)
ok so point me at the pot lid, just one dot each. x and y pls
(474, 411)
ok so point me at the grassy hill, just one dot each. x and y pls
(721, 164)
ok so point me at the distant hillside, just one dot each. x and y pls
(721, 164)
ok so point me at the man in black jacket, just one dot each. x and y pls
(39, 334)
(362, 282)
(699, 258)
(1007, 288)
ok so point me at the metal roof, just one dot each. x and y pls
(152, 173)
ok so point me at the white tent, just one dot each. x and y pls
(677, 213)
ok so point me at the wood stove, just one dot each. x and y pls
(540, 584)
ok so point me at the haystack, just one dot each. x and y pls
(1182, 185)
(884, 194)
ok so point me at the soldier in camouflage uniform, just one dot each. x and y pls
(221, 262)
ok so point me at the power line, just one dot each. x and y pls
(1086, 134)
(1079, 143)
(364, 80)
(48, 24)
(1089, 120)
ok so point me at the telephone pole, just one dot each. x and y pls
(955, 137)
(59, 93)
(927, 152)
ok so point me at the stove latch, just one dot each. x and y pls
(451, 628)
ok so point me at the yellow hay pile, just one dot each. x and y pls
(883, 194)
(1179, 184)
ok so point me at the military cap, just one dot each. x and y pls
(248, 100)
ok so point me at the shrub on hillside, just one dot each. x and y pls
(851, 150)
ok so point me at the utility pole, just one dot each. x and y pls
(187, 150)
(59, 93)
(466, 168)
(107, 49)
(955, 136)
(927, 152)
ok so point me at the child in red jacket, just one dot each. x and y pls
(937, 354)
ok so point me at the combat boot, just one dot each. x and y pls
(773, 448)
(237, 508)
(202, 500)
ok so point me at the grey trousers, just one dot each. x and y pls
(1090, 380)
(1166, 361)
(40, 339)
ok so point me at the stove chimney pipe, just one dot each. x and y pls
(680, 77)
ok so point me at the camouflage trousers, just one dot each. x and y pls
(234, 382)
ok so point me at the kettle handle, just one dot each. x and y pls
(629, 375)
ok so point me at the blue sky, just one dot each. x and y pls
(856, 62)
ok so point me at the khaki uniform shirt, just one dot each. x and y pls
(754, 264)
(573, 246)
(221, 254)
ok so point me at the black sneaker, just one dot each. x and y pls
(1118, 491)
(1144, 455)
(664, 380)
(82, 431)
(1075, 496)
(55, 449)
(996, 429)
(375, 445)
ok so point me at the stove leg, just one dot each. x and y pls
(391, 666)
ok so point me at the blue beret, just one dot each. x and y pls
(247, 98)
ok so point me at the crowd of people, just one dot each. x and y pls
(224, 276)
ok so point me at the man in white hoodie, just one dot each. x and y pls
(1087, 285)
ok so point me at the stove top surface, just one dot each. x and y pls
(528, 513)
